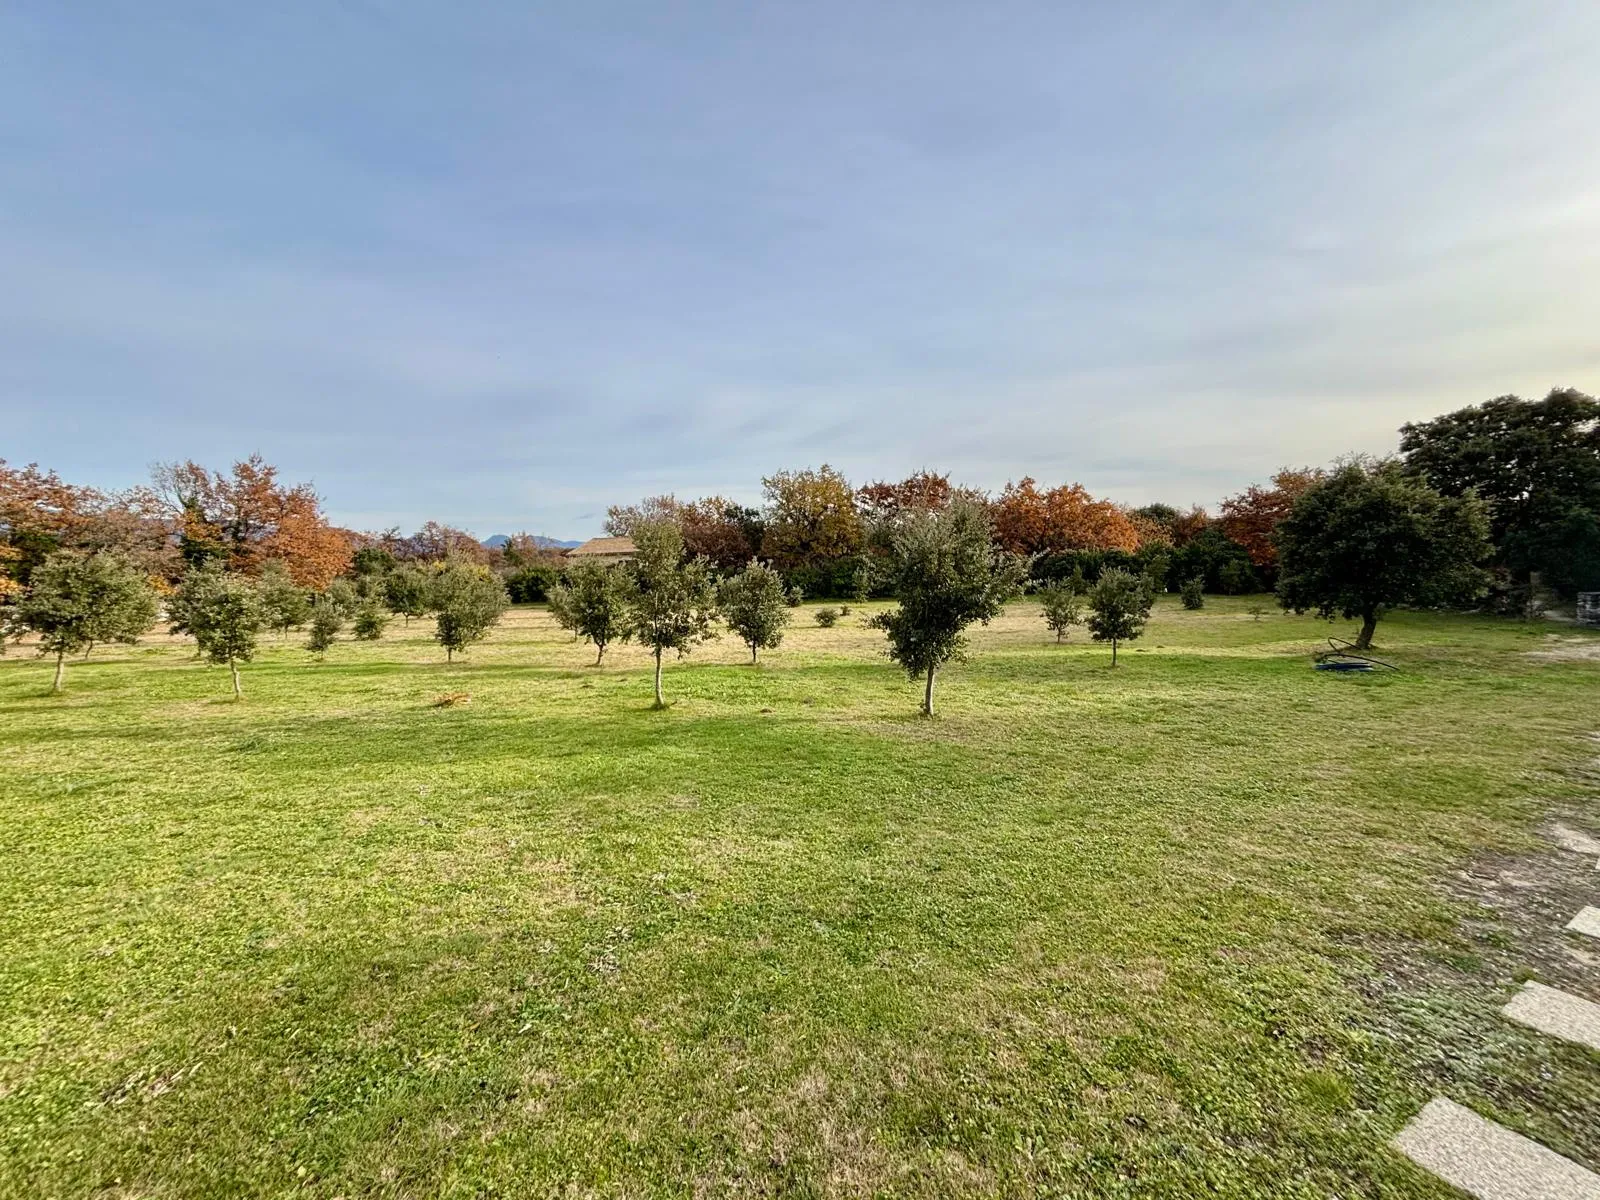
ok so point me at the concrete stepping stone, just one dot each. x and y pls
(1552, 1011)
(1572, 839)
(1587, 921)
(1489, 1161)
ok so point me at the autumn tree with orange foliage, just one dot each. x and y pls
(1190, 525)
(246, 518)
(1252, 517)
(1030, 521)
(1152, 531)
(923, 491)
(723, 531)
(41, 513)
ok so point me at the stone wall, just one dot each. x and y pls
(1589, 608)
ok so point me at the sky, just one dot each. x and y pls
(504, 265)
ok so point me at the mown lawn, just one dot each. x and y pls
(1089, 933)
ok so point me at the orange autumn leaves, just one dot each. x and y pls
(243, 518)
(40, 512)
(1251, 517)
(1028, 520)
(1031, 520)
(251, 519)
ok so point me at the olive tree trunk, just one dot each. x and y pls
(1369, 625)
(660, 702)
(927, 694)
(61, 669)
(1113, 652)
(599, 652)
(234, 667)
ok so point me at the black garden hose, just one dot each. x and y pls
(1343, 655)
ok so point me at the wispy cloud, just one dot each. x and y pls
(508, 270)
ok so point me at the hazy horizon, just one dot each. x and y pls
(506, 271)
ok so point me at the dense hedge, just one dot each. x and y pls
(531, 585)
(848, 578)
(1222, 562)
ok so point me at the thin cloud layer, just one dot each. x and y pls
(505, 268)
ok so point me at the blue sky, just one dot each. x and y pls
(503, 265)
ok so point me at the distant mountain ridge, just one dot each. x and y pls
(496, 540)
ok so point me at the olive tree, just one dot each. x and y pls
(1061, 608)
(284, 603)
(1193, 593)
(671, 602)
(405, 591)
(370, 622)
(755, 606)
(74, 601)
(1369, 537)
(224, 614)
(326, 623)
(346, 597)
(466, 601)
(1119, 606)
(947, 574)
(593, 603)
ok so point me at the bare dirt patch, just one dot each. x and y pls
(1524, 903)
(1438, 1001)
(1568, 649)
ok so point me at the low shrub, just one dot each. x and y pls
(826, 617)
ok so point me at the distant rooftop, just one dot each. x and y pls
(604, 547)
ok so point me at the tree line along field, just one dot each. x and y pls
(1181, 928)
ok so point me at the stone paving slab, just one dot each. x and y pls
(1489, 1161)
(1587, 921)
(1572, 839)
(1552, 1011)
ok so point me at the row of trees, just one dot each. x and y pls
(1361, 539)
(944, 567)
(245, 522)
(1512, 486)
(829, 539)
(1534, 464)
(948, 573)
(75, 601)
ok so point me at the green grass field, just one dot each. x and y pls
(1089, 933)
